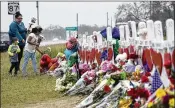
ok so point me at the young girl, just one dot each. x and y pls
(13, 51)
(30, 50)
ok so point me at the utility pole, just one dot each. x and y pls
(111, 22)
(77, 24)
(150, 10)
(107, 19)
(174, 10)
(37, 6)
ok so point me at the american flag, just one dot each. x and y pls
(156, 83)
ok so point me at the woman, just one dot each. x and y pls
(17, 29)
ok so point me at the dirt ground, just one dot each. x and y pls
(63, 102)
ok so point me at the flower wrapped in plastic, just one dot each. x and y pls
(66, 82)
(97, 94)
(85, 84)
(118, 92)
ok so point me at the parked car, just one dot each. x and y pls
(55, 39)
(5, 41)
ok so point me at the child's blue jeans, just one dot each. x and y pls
(27, 56)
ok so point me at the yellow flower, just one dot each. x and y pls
(171, 102)
(160, 93)
(150, 104)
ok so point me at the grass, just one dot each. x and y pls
(17, 91)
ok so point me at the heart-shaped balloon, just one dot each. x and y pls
(87, 56)
(83, 55)
(167, 56)
(110, 54)
(167, 62)
(173, 57)
(157, 60)
(127, 52)
(98, 55)
(131, 49)
(90, 56)
(146, 58)
(93, 54)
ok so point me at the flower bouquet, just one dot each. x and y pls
(103, 88)
(165, 98)
(85, 84)
(117, 92)
(66, 82)
(60, 71)
(123, 101)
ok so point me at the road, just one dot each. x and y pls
(52, 42)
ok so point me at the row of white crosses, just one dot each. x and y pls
(154, 36)
(87, 43)
(150, 35)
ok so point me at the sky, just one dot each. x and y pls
(62, 13)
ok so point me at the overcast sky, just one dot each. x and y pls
(62, 13)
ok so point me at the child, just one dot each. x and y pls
(13, 51)
(30, 50)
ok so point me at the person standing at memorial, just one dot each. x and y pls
(17, 29)
(30, 50)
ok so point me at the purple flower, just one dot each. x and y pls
(166, 101)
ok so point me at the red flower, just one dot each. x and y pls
(133, 93)
(144, 79)
(136, 105)
(146, 94)
(147, 74)
(138, 92)
(107, 89)
(87, 80)
(113, 68)
(133, 56)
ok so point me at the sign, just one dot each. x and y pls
(13, 7)
(71, 28)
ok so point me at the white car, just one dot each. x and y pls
(55, 39)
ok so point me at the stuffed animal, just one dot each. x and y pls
(48, 64)
(44, 62)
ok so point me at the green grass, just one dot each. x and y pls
(20, 91)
